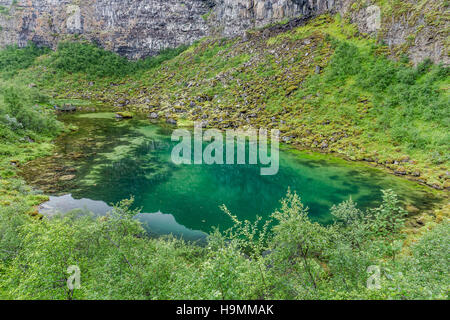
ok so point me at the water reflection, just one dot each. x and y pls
(156, 224)
(106, 161)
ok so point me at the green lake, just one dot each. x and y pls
(106, 160)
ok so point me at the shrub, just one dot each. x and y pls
(85, 57)
(403, 96)
(18, 114)
(88, 58)
(14, 58)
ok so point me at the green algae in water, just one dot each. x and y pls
(132, 158)
(97, 115)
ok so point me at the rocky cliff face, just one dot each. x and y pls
(138, 28)
(129, 27)
(232, 17)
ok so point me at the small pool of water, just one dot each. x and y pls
(106, 160)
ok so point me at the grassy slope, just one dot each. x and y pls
(26, 131)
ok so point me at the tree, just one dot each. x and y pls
(387, 221)
(298, 243)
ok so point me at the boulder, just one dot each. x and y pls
(124, 115)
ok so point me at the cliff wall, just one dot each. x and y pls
(138, 28)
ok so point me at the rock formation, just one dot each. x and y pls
(139, 28)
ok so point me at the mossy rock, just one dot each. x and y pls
(124, 115)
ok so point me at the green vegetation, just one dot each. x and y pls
(26, 129)
(323, 85)
(73, 57)
(296, 259)
(4, 10)
(405, 101)
(27, 126)
(13, 59)
(19, 119)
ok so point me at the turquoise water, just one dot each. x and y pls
(112, 160)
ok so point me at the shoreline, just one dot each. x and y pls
(442, 196)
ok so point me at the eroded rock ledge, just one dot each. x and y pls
(136, 29)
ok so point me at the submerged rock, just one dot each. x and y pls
(67, 177)
(124, 115)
